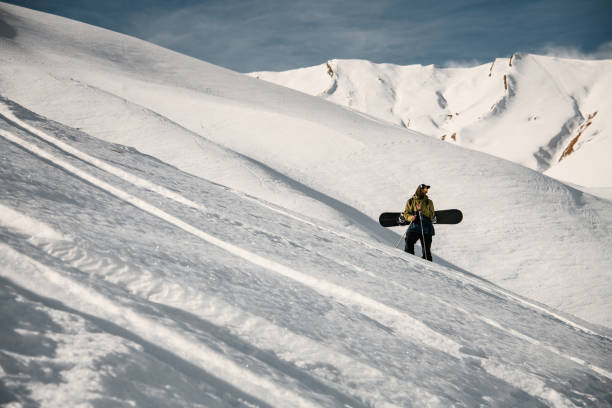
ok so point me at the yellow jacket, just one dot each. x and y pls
(427, 206)
(427, 212)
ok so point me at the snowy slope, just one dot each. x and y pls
(176, 234)
(127, 282)
(522, 230)
(549, 114)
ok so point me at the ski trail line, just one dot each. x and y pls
(75, 295)
(403, 323)
(523, 337)
(526, 302)
(460, 277)
(447, 271)
(490, 286)
(545, 346)
(130, 178)
(252, 329)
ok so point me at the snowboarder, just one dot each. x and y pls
(420, 213)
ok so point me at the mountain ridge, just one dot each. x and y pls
(535, 110)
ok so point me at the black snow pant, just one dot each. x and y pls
(412, 237)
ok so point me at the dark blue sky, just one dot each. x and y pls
(254, 35)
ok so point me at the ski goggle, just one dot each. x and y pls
(424, 186)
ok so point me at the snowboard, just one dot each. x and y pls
(389, 219)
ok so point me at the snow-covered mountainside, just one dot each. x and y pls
(126, 282)
(522, 230)
(177, 234)
(549, 114)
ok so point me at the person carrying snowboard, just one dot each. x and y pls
(419, 213)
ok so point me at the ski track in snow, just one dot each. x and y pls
(451, 273)
(295, 348)
(399, 320)
(137, 181)
(188, 348)
(531, 340)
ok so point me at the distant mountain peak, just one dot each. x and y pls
(526, 108)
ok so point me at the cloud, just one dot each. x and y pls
(252, 35)
(257, 35)
(266, 34)
(603, 51)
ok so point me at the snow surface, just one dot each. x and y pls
(528, 109)
(176, 234)
(172, 309)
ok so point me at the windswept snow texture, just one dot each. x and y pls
(522, 230)
(127, 282)
(550, 114)
(176, 234)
